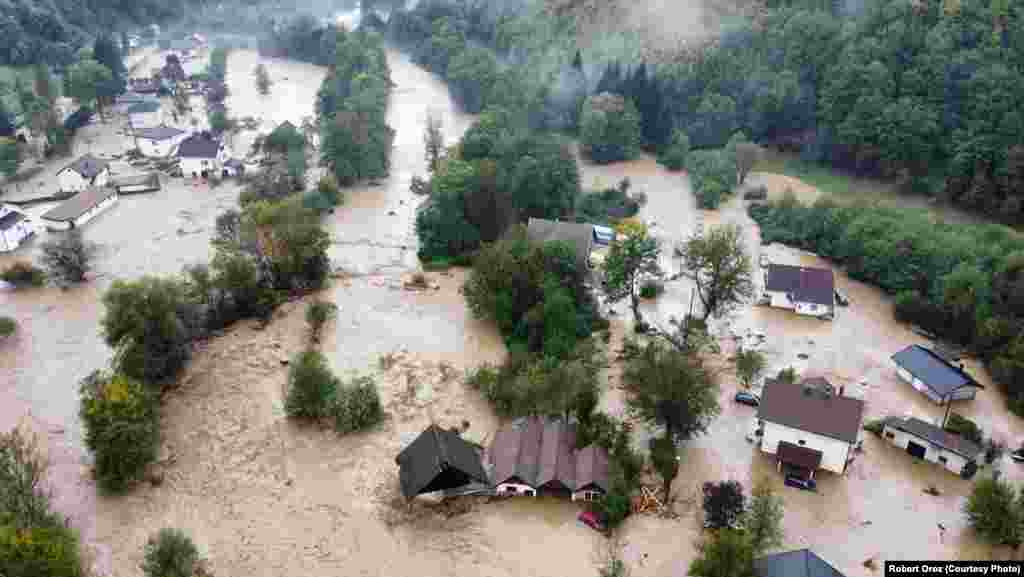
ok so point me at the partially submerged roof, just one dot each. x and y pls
(10, 217)
(936, 436)
(805, 284)
(539, 452)
(802, 563)
(79, 204)
(934, 371)
(810, 409)
(199, 146)
(159, 133)
(438, 459)
(577, 234)
(88, 166)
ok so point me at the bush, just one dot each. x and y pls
(237, 276)
(609, 128)
(68, 257)
(608, 205)
(614, 508)
(994, 512)
(23, 274)
(965, 427)
(122, 428)
(358, 406)
(312, 387)
(875, 426)
(39, 551)
(22, 471)
(170, 553)
(317, 314)
(8, 326)
(674, 157)
(328, 187)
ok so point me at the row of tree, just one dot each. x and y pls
(962, 282)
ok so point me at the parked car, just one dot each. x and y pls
(748, 399)
(805, 484)
(592, 520)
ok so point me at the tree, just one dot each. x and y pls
(8, 327)
(748, 154)
(763, 519)
(68, 257)
(725, 553)
(312, 387)
(170, 553)
(721, 269)
(609, 128)
(749, 366)
(665, 461)
(181, 102)
(357, 407)
(672, 389)
(318, 313)
(433, 140)
(633, 254)
(106, 52)
(262, 79)
(674, 157)
(86, 80)
(724, 504)
(994, 512)
(10, 157)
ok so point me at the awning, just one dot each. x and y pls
(798, 456)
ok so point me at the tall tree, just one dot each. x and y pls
(433, 141)
(724, 505)
(665, 462)
(85, 82)
(6, 121)
(633, 254)
(10, 157)
(763, 519)
(106, 52)
(721, 269)
(994, 512)
(749, 366)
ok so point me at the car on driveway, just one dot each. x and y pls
(748, 399)
(799, 483)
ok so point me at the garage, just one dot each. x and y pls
(916, 450)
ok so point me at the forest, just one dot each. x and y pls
(921, 92)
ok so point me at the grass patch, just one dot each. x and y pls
(825, 178)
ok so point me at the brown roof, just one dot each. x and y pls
(539, 452)
(809, 409)
(805, 284)
(800, 456)
(79, 204)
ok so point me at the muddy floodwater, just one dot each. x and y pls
(262, 496)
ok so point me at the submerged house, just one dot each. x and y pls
(800, 563)
(808, 291)
(536, 455)
(934, 444)
(87, 171)
(438, 459)
(15, 227)
(578, 235)
(158, 141)
(807, 426)
(201, 155)
(80, 208)
(931, 374)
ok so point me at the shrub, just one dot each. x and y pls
(609, 128)
(358, 406)
(993, 511)
(651, 288)
(965, 427)
(328, 187)
(69, 257)
(39, 551)
(674, 157)
(237, 276)
(312, 387)
(170, 553)
(875, 426)
(22, 274)
(122, 427)
(8, 326)
(22, 470)
(615, 507)
(317, 314)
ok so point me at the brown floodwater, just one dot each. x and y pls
(265, 497)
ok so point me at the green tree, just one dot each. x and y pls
(262, 79)
(763, 518)
(721, 269)
(672, 389)
(724, 505)
(312, 387)
(357, 407)
(633, 254)
(10, 157)
(8, 327)
(665, 461)
(170, 553)
(674, 157)
(318, 314)
(86, 80)
(609, 128)
(68, 257)
(433, 142)
(994, 512)
(724, 553)
(749, 366)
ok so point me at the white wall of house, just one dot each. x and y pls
(834, 453)
(71, 181)
(515, 489)
(947, 459)
(96, 210)
(12, 237)
(780, 300)
(198, 165)
(812, 309)
(159, 148)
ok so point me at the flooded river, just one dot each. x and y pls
(262, 496)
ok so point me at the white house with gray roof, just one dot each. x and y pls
(159, 141)
(83, 173)
(933, 444)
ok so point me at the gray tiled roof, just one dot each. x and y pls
(936, 436)
(801, 563)
(79, 204)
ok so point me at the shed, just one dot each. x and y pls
(931, 374)
(579, 235)
(931, 443)
(80, 208)
(438, 459)
(800, 563)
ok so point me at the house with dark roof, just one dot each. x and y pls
(578, 235)
(87, 171)
(806, 290)
(536, 455)
(933, 375)
(808, 426)
(81, 208)
(932, 443)
(801, 563)
(158, 141)
(15, 227)
(436, 460)
(201, 155)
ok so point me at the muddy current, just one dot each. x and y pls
(262, 496)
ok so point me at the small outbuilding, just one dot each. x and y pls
(806, 290)
(931, 443)
(933, 375)
(88, 171)
(80, 208)
(578, 235)
(15, 227)
(800, 563)
(438, 459)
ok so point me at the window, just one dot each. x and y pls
(943, 460)
(802, 442)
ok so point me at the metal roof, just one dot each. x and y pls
(936, 436)
(10, 217)
(428, 463)
(934, 371)
(801, 563)
(79, 204)
(810, 285)
(537, 452)
(158, 132)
